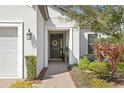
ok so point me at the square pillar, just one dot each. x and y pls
(74, 45)
(46, 47)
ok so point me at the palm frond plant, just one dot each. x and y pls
(66, 53)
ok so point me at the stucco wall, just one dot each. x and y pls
(83, 41)
(56, 19)
(27, 15)
(41, 41)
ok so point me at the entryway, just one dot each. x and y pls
(56, 46)
(57, 76)
(57, 42)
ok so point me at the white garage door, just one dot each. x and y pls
(10, 54)
(8, 57)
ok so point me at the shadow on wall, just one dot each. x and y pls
(83, 44)
(34, 41)
(51, 23)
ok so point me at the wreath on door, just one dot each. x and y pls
(54, 43)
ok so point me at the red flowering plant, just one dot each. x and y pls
(109, 52)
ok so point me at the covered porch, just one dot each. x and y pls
(56, 40)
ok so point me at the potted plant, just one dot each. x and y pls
(66, 53)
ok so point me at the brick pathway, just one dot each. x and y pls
(57, 76)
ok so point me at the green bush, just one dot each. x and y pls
(122, 58)
(120, 69)
(81, 77)
(85, 78)
(20, 84)
(100, 68)
(84, 63)
(31, 67)
(97, 83)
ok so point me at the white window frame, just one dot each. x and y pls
(19, 25)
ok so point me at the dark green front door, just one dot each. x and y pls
(56, 46)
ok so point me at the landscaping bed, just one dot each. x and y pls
(94, 74)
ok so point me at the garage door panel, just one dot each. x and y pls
(11, 70)
(1, 58)
(11, 45)
(1, 63)
(1, 69)
(1, 45)
(8, 57)
(11, 57)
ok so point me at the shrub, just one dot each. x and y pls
(31, 67)
(91, 57)
(109, 51)
(23, 84)
(85, 78)
(97, 83)
(84, 63)
(122, 58)
(100, 68)
(120, 69)
(81, 77)
(66, 53)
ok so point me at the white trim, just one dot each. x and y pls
(46, 47)
(47, 29)
(71, 46)
(19, 25)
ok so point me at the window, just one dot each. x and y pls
(8, 32)
(91, 39)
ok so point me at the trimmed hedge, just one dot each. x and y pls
(31, 66)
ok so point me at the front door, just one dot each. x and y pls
(56, 46)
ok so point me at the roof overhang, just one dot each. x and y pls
(44, 11)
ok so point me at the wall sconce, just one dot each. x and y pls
(29, 35)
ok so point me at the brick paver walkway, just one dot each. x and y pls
(57, 76)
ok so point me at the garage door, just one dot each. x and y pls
(10, 65)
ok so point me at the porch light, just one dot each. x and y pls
(29, 35)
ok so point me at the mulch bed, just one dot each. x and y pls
(118, 82)
(75, 81)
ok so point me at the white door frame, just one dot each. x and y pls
(47, 29)
(19, 26)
